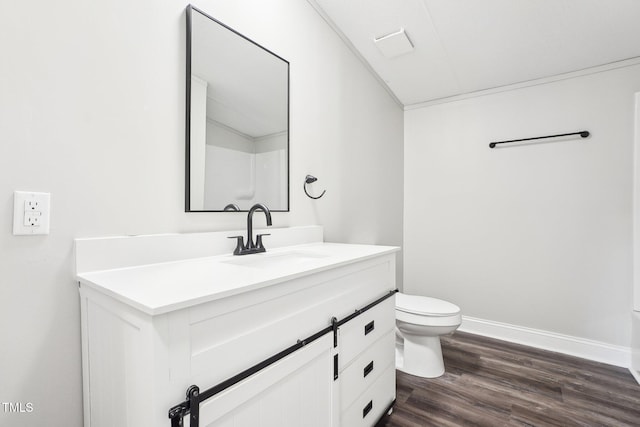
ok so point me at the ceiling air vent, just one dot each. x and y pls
(394, 44)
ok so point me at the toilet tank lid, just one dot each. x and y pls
(425, 305)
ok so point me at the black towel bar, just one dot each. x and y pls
(582, 133)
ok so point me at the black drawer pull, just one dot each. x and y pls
(368, 368)
(367, 408)
(369, 327)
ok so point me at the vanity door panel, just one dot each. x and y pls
(293, 392)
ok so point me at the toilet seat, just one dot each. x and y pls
(425, 306)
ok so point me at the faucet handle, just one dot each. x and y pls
(240, 246)
(259, 240)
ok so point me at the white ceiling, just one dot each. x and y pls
(247, 86)
(464, 46)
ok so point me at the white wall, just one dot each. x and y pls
(257, 166)
(539, 235)
(225, 165)
(92, 111)
(271, 169)
(229, 156)
(197, 142)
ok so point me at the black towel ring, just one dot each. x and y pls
(308, 180)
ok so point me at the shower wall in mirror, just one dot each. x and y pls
(237, 120)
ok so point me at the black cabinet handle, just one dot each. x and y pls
(369, 327)
(367, 408)
(368, 369)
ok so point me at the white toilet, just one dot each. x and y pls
(419, 323)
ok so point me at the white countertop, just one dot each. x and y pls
(163, 287)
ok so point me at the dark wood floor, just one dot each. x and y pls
(495, 383)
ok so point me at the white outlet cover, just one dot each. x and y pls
(27, 205)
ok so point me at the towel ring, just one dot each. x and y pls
(308, 180)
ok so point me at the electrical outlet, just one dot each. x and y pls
(31, 213)
(31, 205)
(32, 219)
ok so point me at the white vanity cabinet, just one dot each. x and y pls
(139, 359)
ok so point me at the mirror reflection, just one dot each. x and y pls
(237, 120)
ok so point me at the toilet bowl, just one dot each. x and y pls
(420, 321)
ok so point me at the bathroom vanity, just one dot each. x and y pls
(174, 325)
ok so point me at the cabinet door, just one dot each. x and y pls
(293, 392)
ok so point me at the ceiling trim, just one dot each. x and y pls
(535, 82)
(230, 129)
(355, 51)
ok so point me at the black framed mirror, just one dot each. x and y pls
(237, 120)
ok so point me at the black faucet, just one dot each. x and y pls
(251, 247)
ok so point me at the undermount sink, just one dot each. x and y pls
(271, 260)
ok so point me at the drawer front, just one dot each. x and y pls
(367, 409)
(364, 330)
(366, 369)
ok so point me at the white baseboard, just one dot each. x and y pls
(580, 347)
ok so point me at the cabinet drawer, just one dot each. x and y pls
(371, 405)
(361, 332)
(366, 369)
